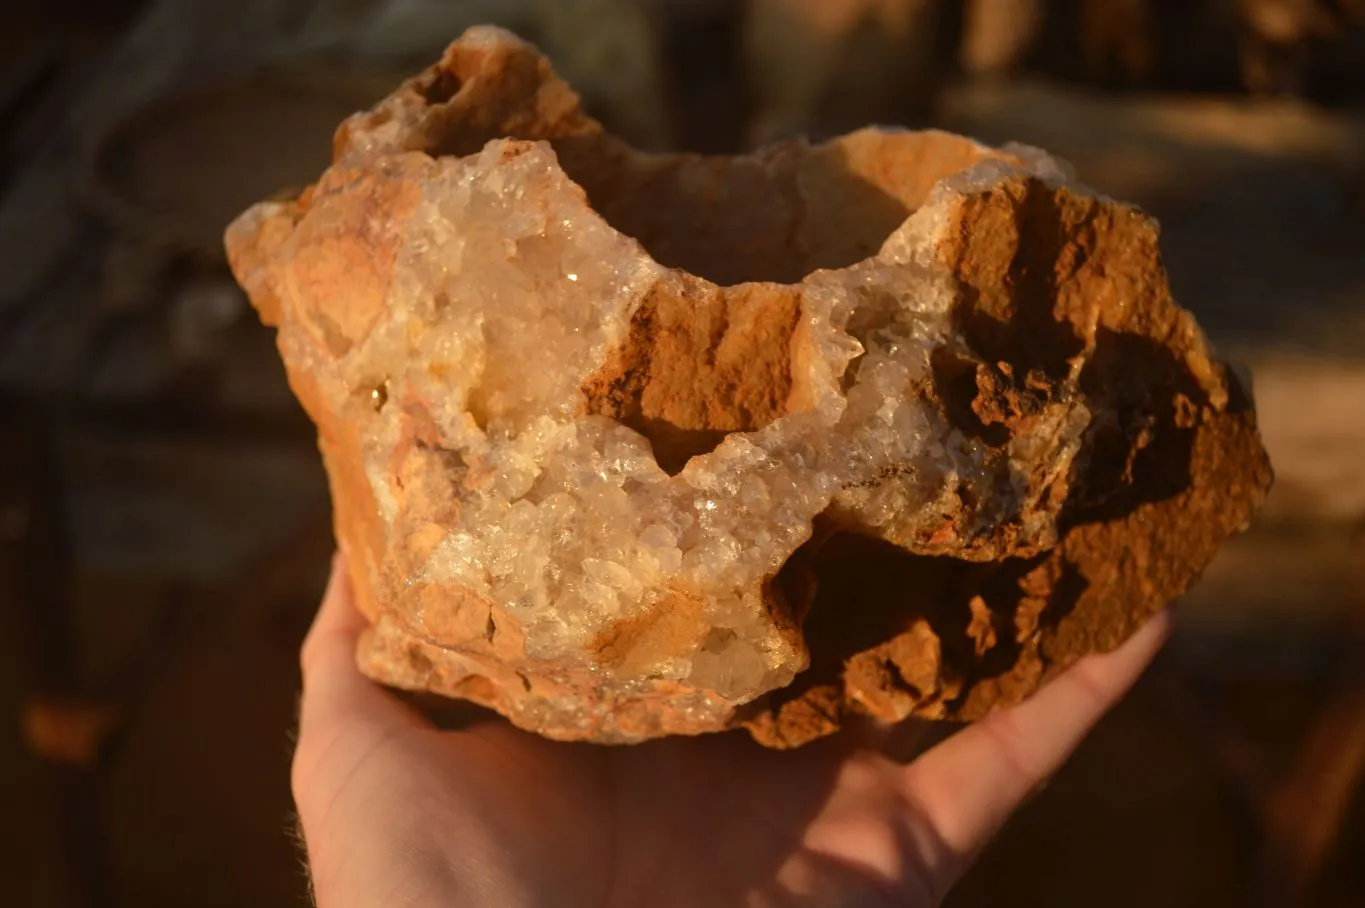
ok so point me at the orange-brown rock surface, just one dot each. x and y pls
(628, 445)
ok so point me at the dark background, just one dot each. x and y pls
(164, 522)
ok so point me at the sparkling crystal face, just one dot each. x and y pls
(581, 407)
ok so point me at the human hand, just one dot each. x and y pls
(398, 813)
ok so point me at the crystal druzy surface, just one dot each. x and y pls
(627, 445)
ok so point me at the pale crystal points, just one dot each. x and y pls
(605, 430)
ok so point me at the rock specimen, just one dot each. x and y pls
(628, 445)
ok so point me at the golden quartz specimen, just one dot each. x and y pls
(625, 445)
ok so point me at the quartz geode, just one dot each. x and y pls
(628, 445)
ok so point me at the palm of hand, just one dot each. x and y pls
(396, 812)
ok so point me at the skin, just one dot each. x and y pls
(398, 813)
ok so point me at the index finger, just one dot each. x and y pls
(967, 786)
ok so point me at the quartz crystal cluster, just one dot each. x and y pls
(626, 445)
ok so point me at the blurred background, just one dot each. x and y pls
(164, 523)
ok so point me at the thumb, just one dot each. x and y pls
(335, 693)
